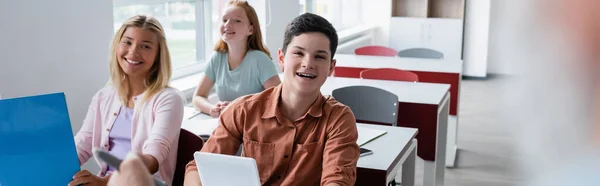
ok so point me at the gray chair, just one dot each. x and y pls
(421, 53)
(369, 104)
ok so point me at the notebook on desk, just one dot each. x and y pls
(365, 135)
(201, 127)
(189, 112)
(36, 138)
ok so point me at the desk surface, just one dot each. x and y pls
(404, 63)
(409, 92)
(384, 153)
(387, 148)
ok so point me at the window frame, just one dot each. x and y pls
(336, 19)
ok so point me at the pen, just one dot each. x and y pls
(196, 113)
(116, 162)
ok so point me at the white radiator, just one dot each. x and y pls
(348, 46)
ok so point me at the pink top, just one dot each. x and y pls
(155, 131)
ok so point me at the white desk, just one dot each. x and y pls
(404, 63)
(421, 105)
(429, 70)
(431, 103)
(381, 167)
(410, 92)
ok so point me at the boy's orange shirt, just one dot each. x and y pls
(316, 149)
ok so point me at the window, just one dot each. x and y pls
(184, 29)
(303, 7)
(342, 14)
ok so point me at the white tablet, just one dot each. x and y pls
(226, 170)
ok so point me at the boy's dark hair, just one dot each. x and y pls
(309, 22)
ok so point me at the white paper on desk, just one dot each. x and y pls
(366, 135)
(200, 127)
(189, 112)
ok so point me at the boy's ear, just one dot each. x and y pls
(280, 56)
(332, 67)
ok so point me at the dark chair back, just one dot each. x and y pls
(189, 143)
(369, 104)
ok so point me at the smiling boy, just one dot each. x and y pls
(296, 135)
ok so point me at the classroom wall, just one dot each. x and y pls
(501, 37)
(261, 9)
(375, 14)
(55, 46)
(476, 38)
(378, 13)
(282, 13)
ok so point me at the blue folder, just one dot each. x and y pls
(36, 141)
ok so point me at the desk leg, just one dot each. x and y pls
(452, 147)
(440, 157)
(429, 174)
(408, 167)
(435, 170)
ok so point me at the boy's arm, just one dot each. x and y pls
(192, 178)
(341, 151)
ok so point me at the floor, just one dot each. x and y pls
(485, 156)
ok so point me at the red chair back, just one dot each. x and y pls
(189, 143)
(389, 74)
(376, 51)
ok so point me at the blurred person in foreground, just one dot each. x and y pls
(554, 105)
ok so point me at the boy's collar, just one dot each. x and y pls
(315, 110)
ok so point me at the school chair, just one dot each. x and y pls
(189, 143)
(389, 74)
(421, 53)
(369, 104)
(376, 51)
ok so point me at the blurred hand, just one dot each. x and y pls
(132, 172)
(223, 104)
(215, 112)
(86, 178)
